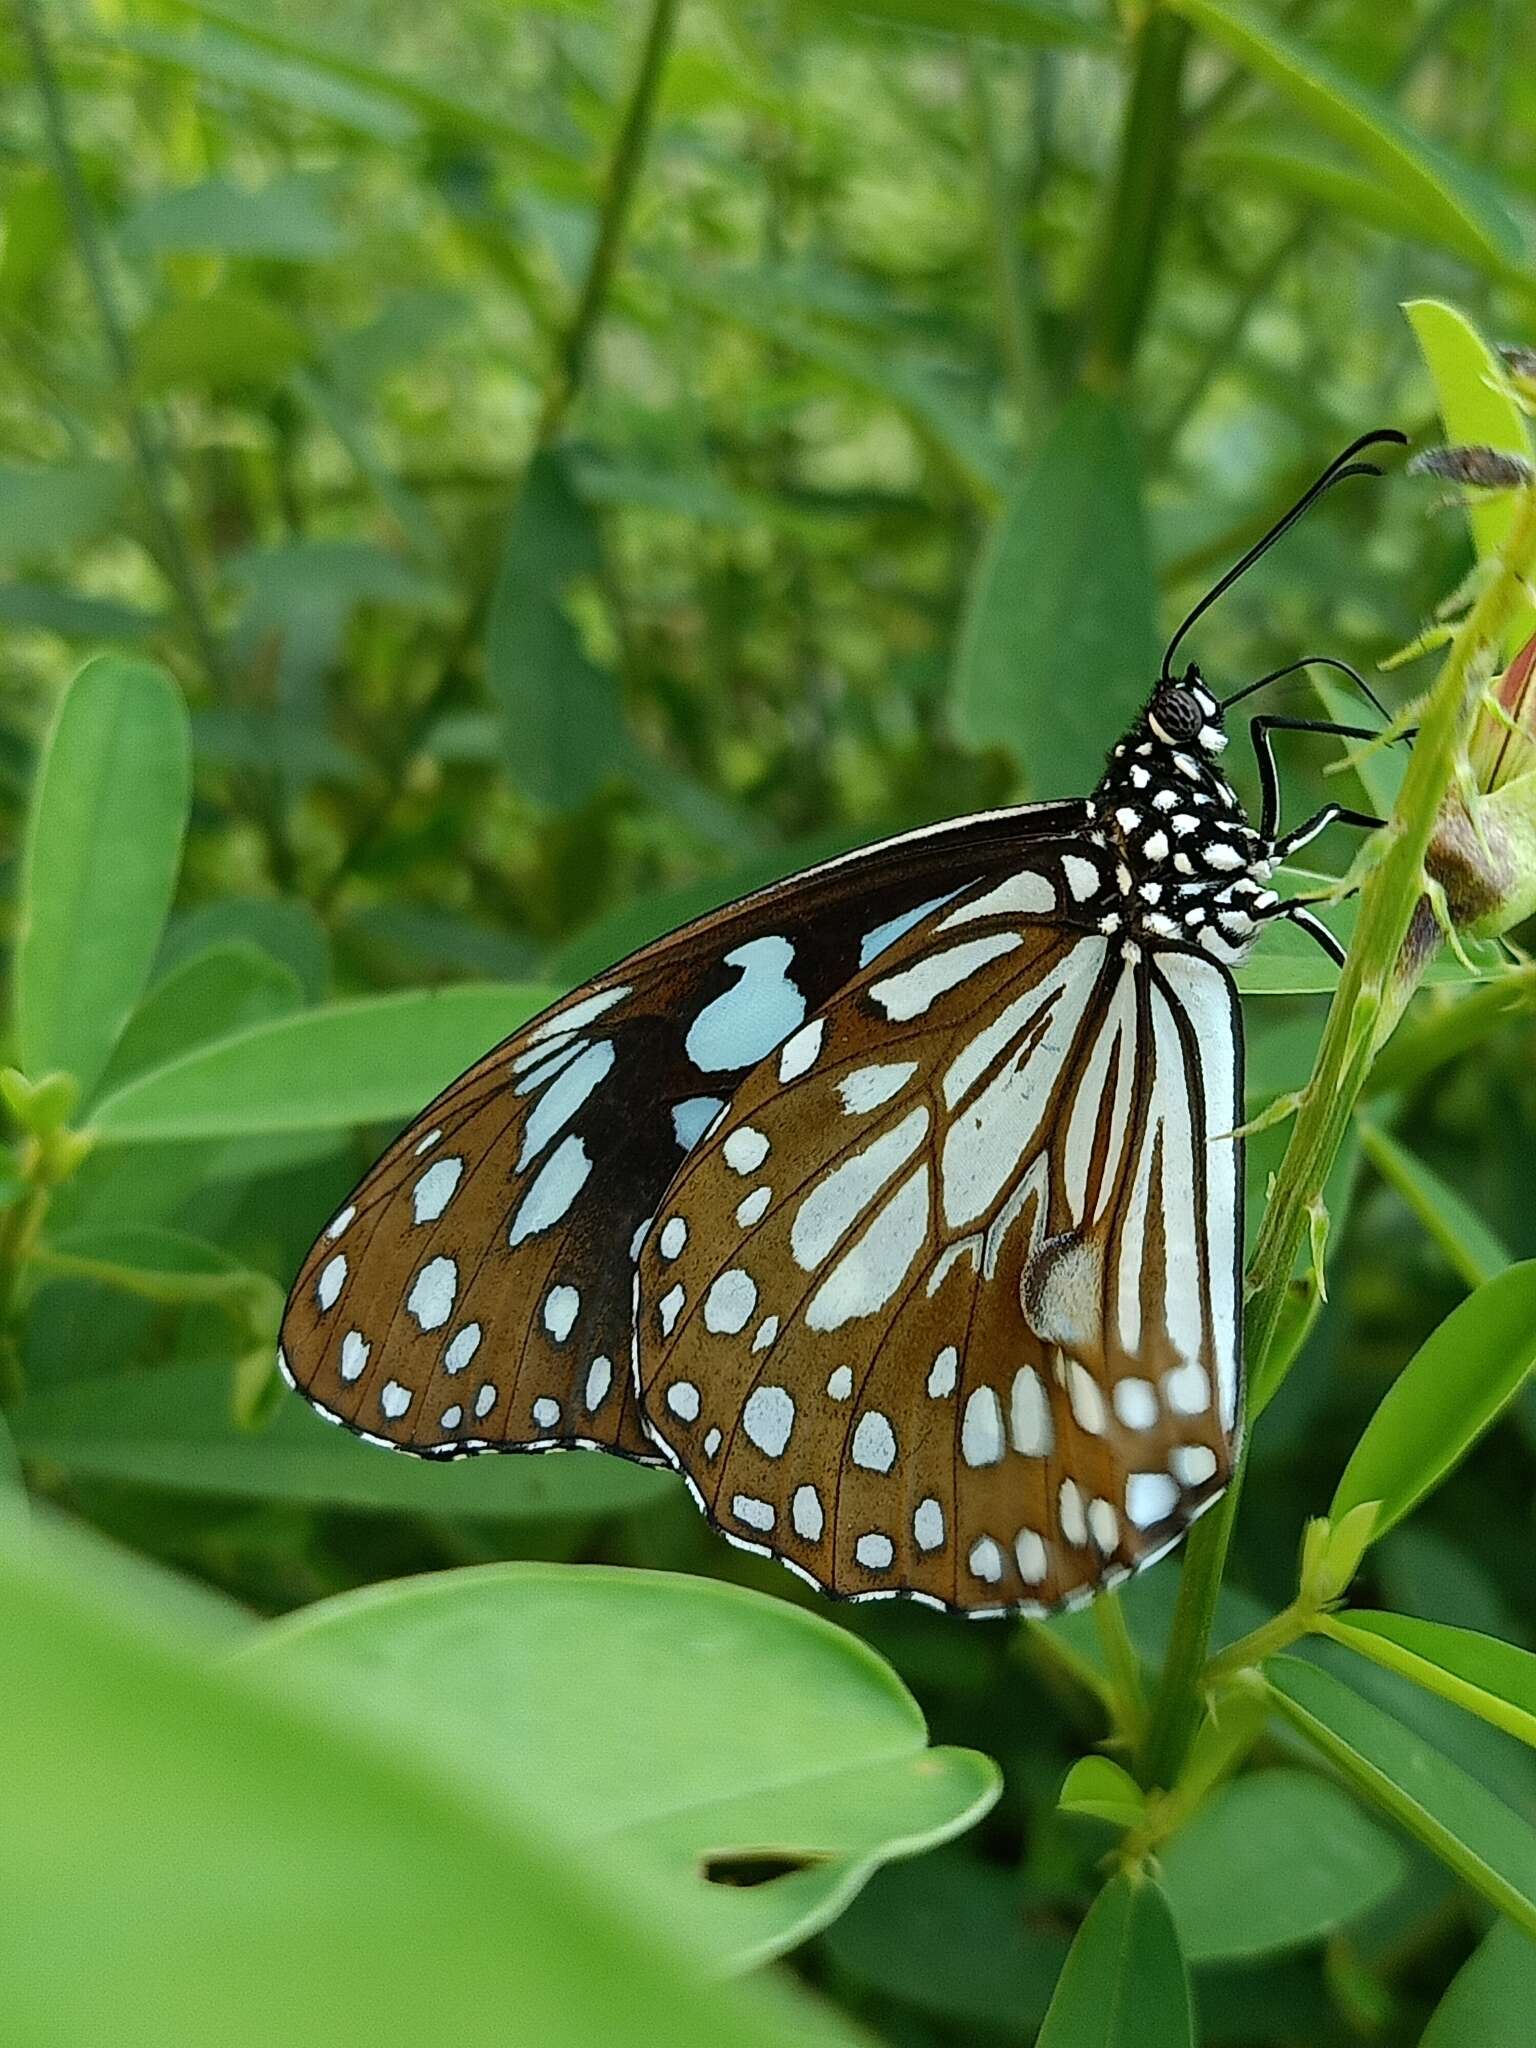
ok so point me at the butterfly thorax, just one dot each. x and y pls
(1188, 865)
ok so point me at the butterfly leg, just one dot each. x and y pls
(1269, 782)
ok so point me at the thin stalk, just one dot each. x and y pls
(171, 547)
(1128, 1702)
(1374, 988)
(619, 183)
(1267, 1640)
(1140, 203)
(1008, 295)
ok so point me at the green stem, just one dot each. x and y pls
(619, 184)
(1140, 203)
(1127, 1699)
(1374, 988)
(1008, 293)
(1267, 1640)
(171, 547)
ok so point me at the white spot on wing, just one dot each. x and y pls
(1192, 1464)
(683, 1400)
(1136, 1403)
(561, 1307)
(941, 1380)
(745, 1150)
(800, 1053)
(354, 1355)
(485, 1401)
(840, 1383)
(556, 1185)
(981, 1428)
(836, 1202)
(730, 1302)
(432, 1293)
(753, 1209)
(599, 1380)
(339, 1223)
(745, 1024)
(691, 1119)
(874, 1551)
(986, 1560)
(674, 1235)
(463, 1348)
(867, 1087)
(577, 1014)
(769, 1419)
(435, 1190)
(928, 1524)
(1026, 894)
(806, 1514)
(874, 1442)
(546, 1412)
(329, 1285)
(866, 1276)
(563, 1098)
(1032, 1557)
(757, 1514)
(1150, 1497)
(394, 1399)
(670, 1307)
(1030, 1415)
(875, 942)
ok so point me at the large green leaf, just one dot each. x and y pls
(102, 854)
(692, 1726)
(174, 1426)
(1487, 1844)
(1457, 1383)
(564, 730)
(209, 995)
(1058, 645)
(289, 219)
(377, 1060)
(1462, 209)
(195, 1853)
(1492, 1996)
(1274, 1860)
(1492, 1679)
(949, 1935)
(46, 511)
(1124, 1984)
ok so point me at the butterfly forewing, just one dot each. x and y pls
(947, 1303)
(475, 1291)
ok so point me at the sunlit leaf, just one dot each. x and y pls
(1492, 1679)
(1058, 644)
(102, 854)
(1464, 208)
(230, 340)
(1455, 1386)
(376, 1060)
(116, 1846)
(1274, 1861)
(697, 1726)
(1485, 1842)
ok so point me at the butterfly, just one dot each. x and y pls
(898, 1205)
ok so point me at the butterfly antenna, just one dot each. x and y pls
(1342, 466)
(1292, 668)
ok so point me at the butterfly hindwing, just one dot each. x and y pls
(948, 1301)
(475, 1291)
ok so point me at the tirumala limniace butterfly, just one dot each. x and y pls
(898, 1205)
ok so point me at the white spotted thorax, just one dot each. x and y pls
(1188, 865)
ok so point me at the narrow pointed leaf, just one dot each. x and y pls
(102, 854)
(1492, 1679)
(1486, 1843)
(1454, 1387)
(1124, 1984)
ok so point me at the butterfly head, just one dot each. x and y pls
(1181, 712)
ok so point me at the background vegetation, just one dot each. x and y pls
(528, 474)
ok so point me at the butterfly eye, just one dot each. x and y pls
(1177, 714)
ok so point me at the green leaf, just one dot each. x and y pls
(173, 1427)
(102, 853)
(1492, 1995)
(289, 931)
(1454, 1387)
(1459, 207)
(691, 1724)
(1477, 406)
(564, 729)
(371, 1896)
(285, 82)
(948, 1935)
(230, 340)
(376, 1060)
(1492, 1679)
(1299, 164)
(286, 220)
(1483, 1841)
(1124, 1984)
(1274, 1861)
(1031, 22)
(57, 510)
(209, 995)
(1064, 589)
(1468, 1244)
(1104, 1790)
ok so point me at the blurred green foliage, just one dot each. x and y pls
(527, 474)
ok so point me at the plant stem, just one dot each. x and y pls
(619, 184)
(1267, 1640)
(1008, 295)
(1127, 1698)
(1374, 988)
(1140, 203)
(171, 547)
